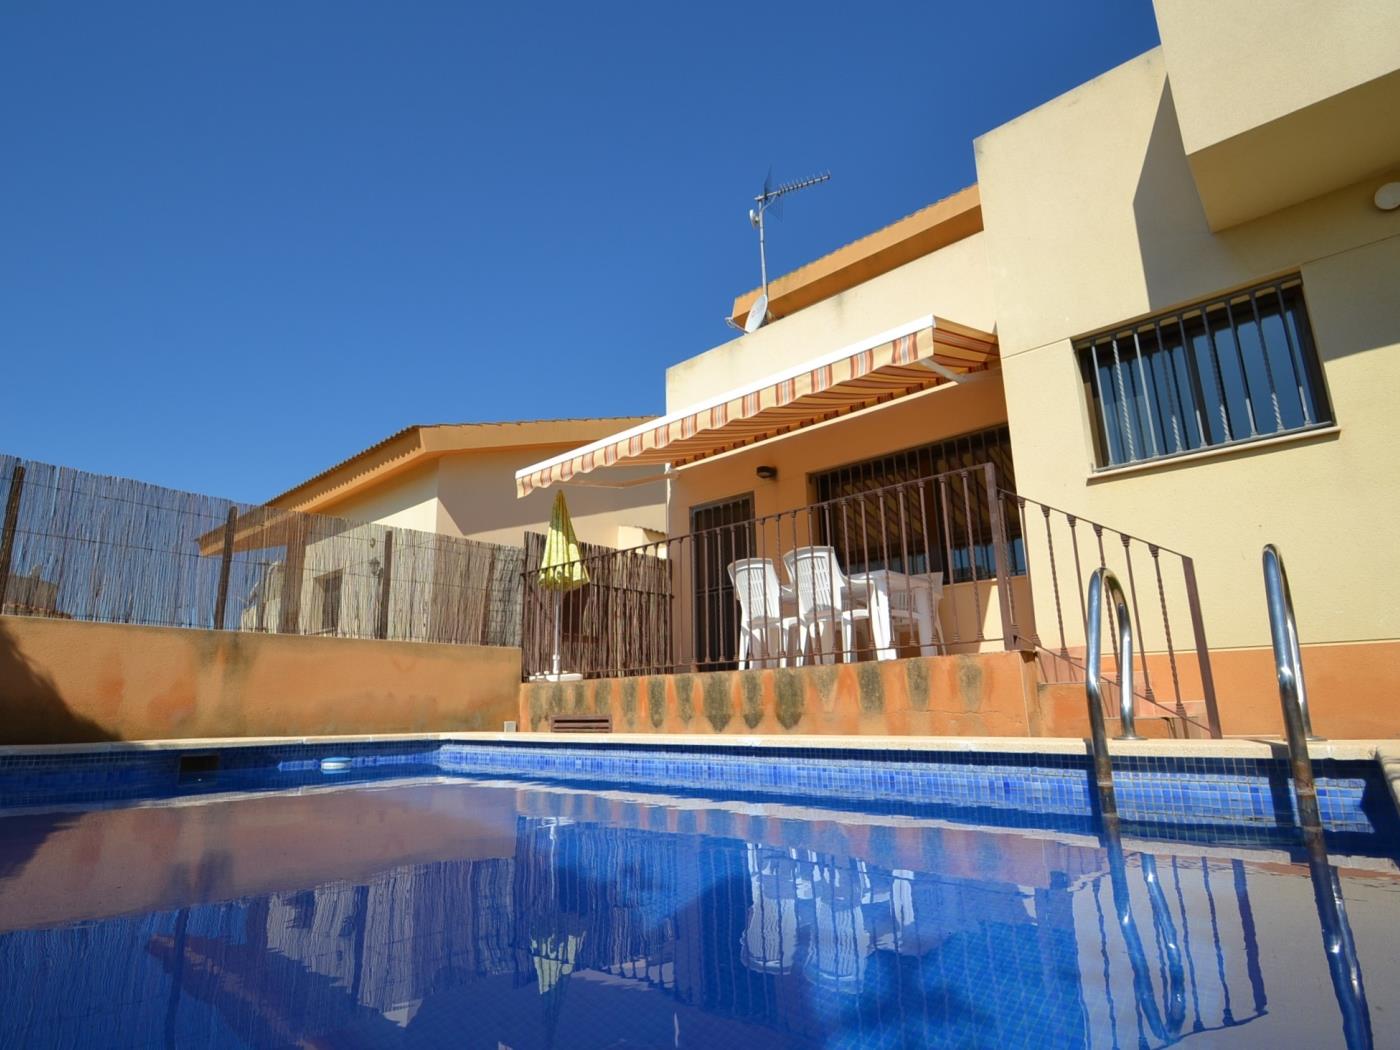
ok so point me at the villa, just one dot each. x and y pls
(1154, 311)
(943, 665)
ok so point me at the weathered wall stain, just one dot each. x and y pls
(753, 698)
(970, 683)
(629, 702)
(824, 678)
(871, 687)
(685, 698)
(916, 673)
(788, 686)
(537, 712)
(577, 694)
(656, 700)
(719, 699)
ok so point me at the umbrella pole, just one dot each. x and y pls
(558, 617)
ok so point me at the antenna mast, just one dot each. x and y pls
(758, 313)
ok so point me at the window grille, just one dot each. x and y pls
(1228, 370)
(919, 527)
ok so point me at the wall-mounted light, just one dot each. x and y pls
(767, 473)
(1388, 196)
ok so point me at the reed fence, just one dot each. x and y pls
(82, 546)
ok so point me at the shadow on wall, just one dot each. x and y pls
(1171, 221)
(32, 711)
(1182, 260)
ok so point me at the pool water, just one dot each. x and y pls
(510, 914)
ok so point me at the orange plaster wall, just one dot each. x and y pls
(64, 681)
(987, 694)
(1353, 690)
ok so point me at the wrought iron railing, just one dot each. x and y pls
(1064, 550)
(943, 564)
(930, 565)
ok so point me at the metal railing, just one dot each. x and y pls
(926, 566)
(1093, 682)
(1338, 944)
(1171, 681)
(1288, 664)
(945, 563)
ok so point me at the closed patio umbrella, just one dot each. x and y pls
(561, 568)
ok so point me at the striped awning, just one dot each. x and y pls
(903, 361)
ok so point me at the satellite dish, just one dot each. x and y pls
(758, 313)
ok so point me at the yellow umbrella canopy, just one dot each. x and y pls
(562, 567)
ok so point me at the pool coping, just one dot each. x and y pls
(1384, 751)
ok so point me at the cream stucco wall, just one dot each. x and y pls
(1238, 64)
(951, 282)
(1107, 226)
(472, 494)
(1280, 102)
(407, 501)
(476, 494)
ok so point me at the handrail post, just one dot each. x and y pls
(1198, 629)
(1010, 635)
(1289, 669)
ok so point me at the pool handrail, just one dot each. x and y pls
(1288, 665)
(1093, 679)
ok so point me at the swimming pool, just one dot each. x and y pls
(521, 896)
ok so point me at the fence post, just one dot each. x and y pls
(225, 564)
(1198, 628)
(1010, 637)
(7, 537)
(293, 572)
(386, 578)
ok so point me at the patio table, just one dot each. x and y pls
(888, 590)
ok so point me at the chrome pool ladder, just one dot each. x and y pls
(1293, 693)
(1103, 578)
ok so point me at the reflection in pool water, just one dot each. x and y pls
(524, 916)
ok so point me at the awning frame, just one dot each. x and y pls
(604, 450)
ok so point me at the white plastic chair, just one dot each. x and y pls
(764, 631)
(825, 599)
(769, 941)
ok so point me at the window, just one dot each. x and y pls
(328, 589)
(1224, 371)
(921, 528)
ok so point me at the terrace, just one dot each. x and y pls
(950, 571)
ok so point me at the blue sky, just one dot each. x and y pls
(241, 241)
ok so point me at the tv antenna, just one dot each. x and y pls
(771, 195)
